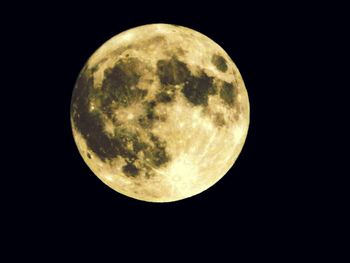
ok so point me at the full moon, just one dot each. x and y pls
(160, 113)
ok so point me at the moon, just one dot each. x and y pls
(159, 113)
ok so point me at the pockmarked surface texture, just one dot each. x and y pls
(160, 113)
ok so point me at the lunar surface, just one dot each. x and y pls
(160, 113)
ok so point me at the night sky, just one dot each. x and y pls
(56, 203)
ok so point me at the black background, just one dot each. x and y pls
(267, 197)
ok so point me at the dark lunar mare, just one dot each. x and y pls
(172, 71)
(196, 88)
(119, 84)
(130, 170)
(119, 88)
(228, 93)
(89, 124)
(147, 120)
(219, 62)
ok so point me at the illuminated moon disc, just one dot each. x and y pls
(160, 113)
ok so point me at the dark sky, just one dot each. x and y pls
(267, 196)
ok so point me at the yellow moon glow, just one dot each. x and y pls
(160, 113)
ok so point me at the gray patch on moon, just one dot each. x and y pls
(89, 124)
(119, 84)
(228, 93)
(219, 119)
(219, 62)
(195, 88)
(172, 71)
(130, 170)
(198, 88)
(119, 89)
